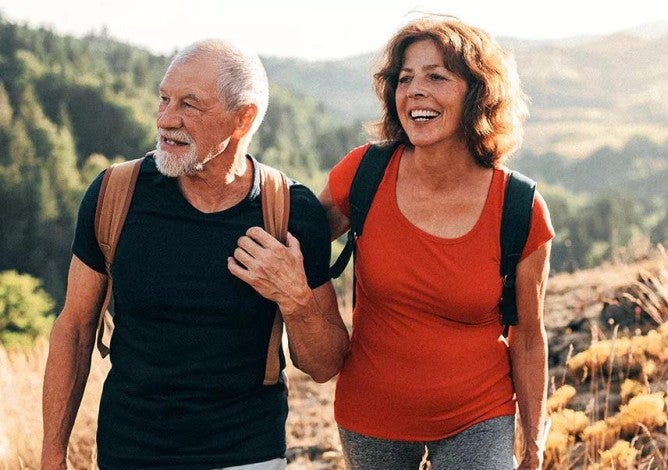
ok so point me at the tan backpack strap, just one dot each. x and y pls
(275, 195)
(113, 203)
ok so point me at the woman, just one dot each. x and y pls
(428, 365)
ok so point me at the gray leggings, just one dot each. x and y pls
(487, 445)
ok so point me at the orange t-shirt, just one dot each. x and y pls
(427, 359)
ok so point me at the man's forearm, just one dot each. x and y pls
(65, 378)
(318, 338)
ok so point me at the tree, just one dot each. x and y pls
(601, 228)
(41, 185)
(25, 309)
(6, 113)
(6, 110)
(335, 142)
(17, 198)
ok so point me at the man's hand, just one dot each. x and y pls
(316, 332)
(274, 270)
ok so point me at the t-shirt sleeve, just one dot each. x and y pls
(341, 178)
(85, 245)
(308, 223)
(541, 230)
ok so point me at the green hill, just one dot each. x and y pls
(597, 140)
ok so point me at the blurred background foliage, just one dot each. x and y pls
(69, 106)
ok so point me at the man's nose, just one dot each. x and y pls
(168, 117)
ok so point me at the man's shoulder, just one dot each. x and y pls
(302, 195)
(299, 192)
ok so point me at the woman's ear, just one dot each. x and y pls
(245, 117)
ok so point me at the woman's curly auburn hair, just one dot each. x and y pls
(495, 106)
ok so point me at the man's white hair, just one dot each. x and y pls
(242, 79)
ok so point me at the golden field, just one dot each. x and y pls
(608, 366)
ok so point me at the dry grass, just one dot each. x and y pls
(311, 432)
(631, 435)
(21, 377)
(622, 422)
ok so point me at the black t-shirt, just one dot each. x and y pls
(189, 349)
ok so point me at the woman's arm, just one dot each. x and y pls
(528, 353)
(338, 222)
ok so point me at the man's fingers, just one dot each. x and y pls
(294, 247)
(243, 258)
(262, 237)
(292, 242)
(250, 246)
(237, 269)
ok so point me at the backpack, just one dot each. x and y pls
(515, 221)
(113, 203)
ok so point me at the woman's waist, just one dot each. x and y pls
(428, 383)
(444, 363)
(419, 407)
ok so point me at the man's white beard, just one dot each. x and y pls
(174, 166)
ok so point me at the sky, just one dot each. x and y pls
(316, 30)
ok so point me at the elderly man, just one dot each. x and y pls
(195, 290)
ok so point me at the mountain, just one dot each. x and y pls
(596, 141)
(586, 92)
(343, 86)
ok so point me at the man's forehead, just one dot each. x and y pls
(190, 78)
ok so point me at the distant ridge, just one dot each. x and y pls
(653, 30)
(586, 91)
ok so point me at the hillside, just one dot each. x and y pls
(596, 142)
(577, 315)
(586, 92)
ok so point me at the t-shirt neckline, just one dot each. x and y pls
(393, 178)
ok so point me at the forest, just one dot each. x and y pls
(71, 106)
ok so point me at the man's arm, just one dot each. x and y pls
(70, 347)
(528, 353)
(318, 338)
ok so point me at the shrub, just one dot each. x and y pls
(25, 309)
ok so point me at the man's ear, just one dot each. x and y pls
(245, 117)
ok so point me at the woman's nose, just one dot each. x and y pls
(417, 89)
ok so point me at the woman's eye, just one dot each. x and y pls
(404, 79)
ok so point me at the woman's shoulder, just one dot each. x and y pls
(354, 156)
(345, 169)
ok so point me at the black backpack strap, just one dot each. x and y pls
(515, 225)
(362, 191)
